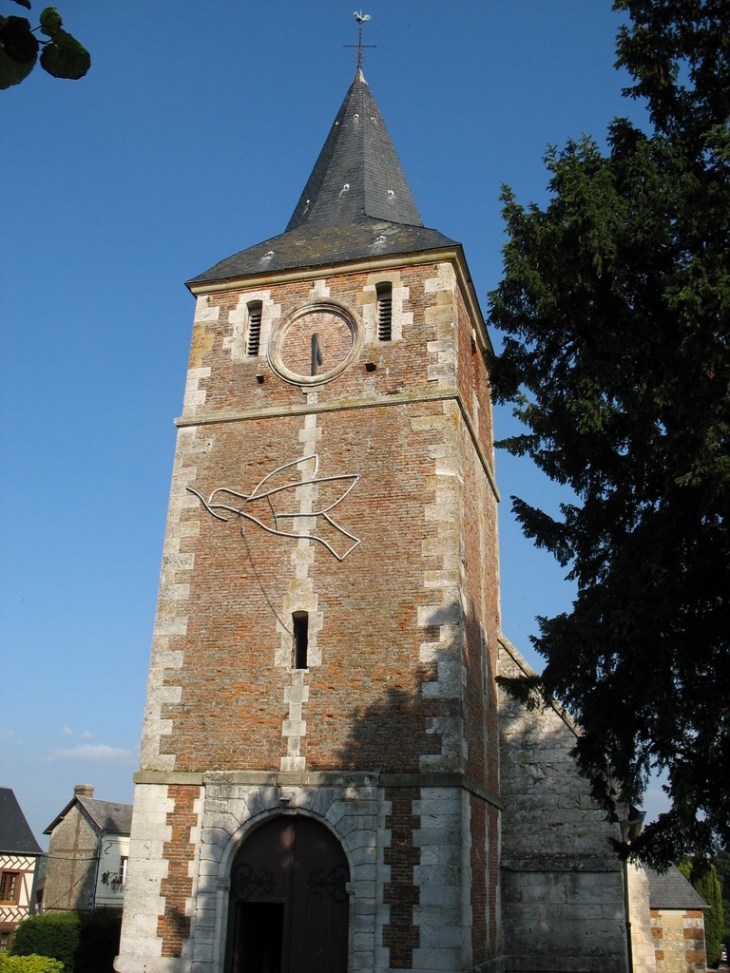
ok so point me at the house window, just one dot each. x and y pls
(8, 886)
(254, 328)
(4, 942)
(300, 640)
(123, 869)
(384, 301)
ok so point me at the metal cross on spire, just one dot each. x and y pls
(361, 19)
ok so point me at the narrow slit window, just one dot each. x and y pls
(384, 295)
(254, 329)
(300, 647)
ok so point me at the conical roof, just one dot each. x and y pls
(358, 173)
(356, 204)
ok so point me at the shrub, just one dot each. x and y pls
(54, 934)
(29, 964)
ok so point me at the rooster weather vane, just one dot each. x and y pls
(270, 502)
(361, 19)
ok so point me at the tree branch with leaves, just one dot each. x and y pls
(22, 46)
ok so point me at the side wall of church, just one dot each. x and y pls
(562, 886)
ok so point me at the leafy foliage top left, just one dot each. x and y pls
(58, 52)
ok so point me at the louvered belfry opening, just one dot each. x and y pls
(384, 293)
(254, 328)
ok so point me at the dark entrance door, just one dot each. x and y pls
(289, 907)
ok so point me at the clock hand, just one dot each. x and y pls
(316, 353)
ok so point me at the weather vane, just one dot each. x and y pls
(361, 19)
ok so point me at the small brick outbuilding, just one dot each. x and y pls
(677, 923)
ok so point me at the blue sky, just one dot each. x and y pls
(190, 139)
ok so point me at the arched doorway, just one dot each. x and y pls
(289, 906)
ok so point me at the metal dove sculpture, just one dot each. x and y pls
(268, 503)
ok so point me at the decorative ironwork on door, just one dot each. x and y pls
(289, 907)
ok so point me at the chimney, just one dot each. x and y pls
(84, 790)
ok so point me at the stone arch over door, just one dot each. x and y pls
(289, 906)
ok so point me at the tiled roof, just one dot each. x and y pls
(356, 205)
(104, 815)
(110, 817)
(15, 834)
(318, 246)
(671, 890)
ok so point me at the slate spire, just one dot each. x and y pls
(356, 205)
(358, 174)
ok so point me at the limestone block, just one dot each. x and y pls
(365, 888)
(437, 875)
(437, 958)
(441, 929)
(364, 854)
(442, 896)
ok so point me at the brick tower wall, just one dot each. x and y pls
(390, 734)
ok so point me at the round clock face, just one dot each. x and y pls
(314, 345)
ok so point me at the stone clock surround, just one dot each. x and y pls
(314, 344)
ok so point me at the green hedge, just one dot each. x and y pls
(83, 942)
(29, 964)
(54, 934)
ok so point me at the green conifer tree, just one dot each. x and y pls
(705, 881)
(615, 311)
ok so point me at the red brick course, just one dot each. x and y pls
(400, 934)
(173, 926)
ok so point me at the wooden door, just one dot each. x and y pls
(289, 906)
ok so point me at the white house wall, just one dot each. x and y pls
(110, 880)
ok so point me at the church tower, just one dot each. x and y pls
(319, 786)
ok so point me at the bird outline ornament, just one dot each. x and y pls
(269, 503)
